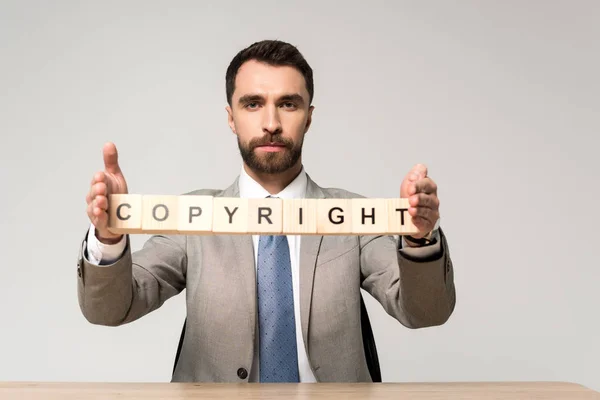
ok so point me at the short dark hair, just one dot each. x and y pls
(272, 52)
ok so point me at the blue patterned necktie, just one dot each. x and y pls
(277, 326)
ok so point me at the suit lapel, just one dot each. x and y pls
(309, 250)
(244, 252)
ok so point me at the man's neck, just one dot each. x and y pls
(275, 183)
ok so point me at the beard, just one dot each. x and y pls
(270, 163)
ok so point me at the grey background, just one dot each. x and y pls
(499, 99)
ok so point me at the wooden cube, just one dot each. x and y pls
(125, 213)
(160, 214)
(265, 216)
(399, 220)
(334, 216)
(299, 216)
(369, 216)
(195, 214)
(230, 215)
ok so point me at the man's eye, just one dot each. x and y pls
(252, 105)
(289, 104)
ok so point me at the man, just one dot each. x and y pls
(268, 308)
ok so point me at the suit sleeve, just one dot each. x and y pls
(135, 284)
(414, 285)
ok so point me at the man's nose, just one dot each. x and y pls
(271, 121)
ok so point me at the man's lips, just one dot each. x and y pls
(272, 147)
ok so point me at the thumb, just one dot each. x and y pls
(111, 158)
(420, 170)
(417, 172)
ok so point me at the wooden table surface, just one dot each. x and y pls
(320, 391)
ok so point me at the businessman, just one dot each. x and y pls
(268, 308)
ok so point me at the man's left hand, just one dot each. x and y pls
(421, 192)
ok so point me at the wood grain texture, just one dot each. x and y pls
(265, 216)
(230, 215)
(160, 214)
(399, 220)
(369, 216)
(318, 391)
(195, 214)
(125, 213)
(300, 216)
(201, 215)
(334, 216)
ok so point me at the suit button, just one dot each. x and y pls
(242, 373)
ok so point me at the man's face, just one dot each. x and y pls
(269, 113)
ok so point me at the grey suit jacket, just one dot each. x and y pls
(218, 274)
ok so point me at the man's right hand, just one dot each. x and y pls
(107, 182)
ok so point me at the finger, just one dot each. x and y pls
(419, 170)
(99, 189)
(92, 215)
(424, 213)
(425, 185)
(100, 222)
(111, 158)
(89, 209)
(99, 217)
(424, 200)
(102, 203)
(98, 177)
(423, 224)
(98, 212)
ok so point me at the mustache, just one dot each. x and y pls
(270, 139)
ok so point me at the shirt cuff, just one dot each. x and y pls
(422, 253)
(103, 254)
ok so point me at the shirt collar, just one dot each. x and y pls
(249, 188)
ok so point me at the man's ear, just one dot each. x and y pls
(230, 119)
(309, 119)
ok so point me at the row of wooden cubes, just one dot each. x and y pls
(197, 214)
